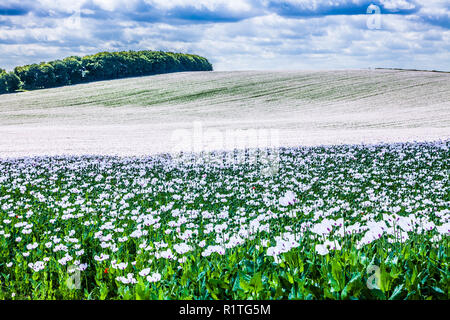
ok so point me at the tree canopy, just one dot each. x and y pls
(100, 66)
(9, 82)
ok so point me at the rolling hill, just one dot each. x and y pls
(136, 116)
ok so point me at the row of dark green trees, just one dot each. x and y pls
(101, 66)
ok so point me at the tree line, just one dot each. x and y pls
(100, 66)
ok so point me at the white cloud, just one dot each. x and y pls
(234, 5)
(261, 39)
(397, 4)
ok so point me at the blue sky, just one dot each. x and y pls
(234, 34)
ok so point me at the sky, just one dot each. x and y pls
(234, 34)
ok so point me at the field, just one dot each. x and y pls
(138, 116)
(344, 222)
(352, 203)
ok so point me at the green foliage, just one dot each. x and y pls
(3, 84)
(100, 66)
(74, 69)
(9, 82)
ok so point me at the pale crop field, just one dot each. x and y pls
(139, 116)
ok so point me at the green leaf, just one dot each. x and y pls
(244, 285)
(141, 291)
(355, 284)
(438, 290)
(338, 275)
(378, 294)
(256, 283)
(397, 292)
(103, 292)
(236, 285)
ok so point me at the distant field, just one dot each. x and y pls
(138, 116)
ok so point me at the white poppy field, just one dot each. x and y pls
(327, 222)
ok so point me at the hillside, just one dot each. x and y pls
(139, 115)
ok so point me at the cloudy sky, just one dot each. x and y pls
(234, 34)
